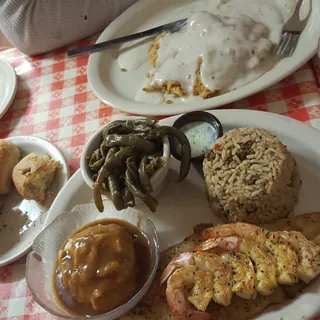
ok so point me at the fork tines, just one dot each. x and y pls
(288, 43)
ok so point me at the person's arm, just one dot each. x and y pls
(37, 26)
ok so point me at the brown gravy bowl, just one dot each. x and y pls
(100, 267)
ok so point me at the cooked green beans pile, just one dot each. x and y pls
(129, 154)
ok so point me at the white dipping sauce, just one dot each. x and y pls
(201, 135)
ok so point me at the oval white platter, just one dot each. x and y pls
(182, 206)
(22, 220)
(8, 86)
(118, 89)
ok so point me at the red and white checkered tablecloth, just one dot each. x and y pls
(54, 101)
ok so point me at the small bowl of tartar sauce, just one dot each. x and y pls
(202, 130)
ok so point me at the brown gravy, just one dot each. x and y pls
(106, 269)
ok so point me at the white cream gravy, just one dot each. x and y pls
(229, 48)
(235, 49)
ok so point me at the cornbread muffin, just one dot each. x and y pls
(251, 176)
(172, 86)
(9, 157)
(33, 176)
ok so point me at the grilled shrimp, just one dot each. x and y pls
(179, 261)
(244, 230)
(198, 284)
(286, 258)
(296, 256)
(209, 262)
(308, 254)
(264, 262)
(243, 274)
(222, 276)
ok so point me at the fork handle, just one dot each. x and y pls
(106, 44)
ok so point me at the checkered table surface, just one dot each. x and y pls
(54, 101)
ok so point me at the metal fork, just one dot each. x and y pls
(171, 27)
(290, 35)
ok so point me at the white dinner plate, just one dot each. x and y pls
(118, 89)
(22, 220)
(182, 206)
(8, 86)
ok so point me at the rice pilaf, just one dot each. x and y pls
(251, 176)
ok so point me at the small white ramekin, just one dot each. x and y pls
(158, 178)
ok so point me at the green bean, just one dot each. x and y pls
(111, 126)
(119, 158)
(98, 164)
(133, 169)
(98, 154)
(94, 158)
(130, 140)
(151, 203)
(174, 133)
(139, 125)
(129, 127)
(159, 145)
(143, 135)
(123, 129)
(100, 179)
(132, 160)
(153, 166)
(111, 152)
(128, 197)
(148, 122)
(97, 189)
(151, 157)
(144, 177)
(142, 129)
(115, 192)
(103, 150)
(146, 198)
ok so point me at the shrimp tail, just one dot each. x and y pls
(241, 229)
(179, 261)
(227, 243)
(177, 302)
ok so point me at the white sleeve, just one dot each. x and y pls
(36, 26)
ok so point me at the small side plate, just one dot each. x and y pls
(22, 220)
(8, 86)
